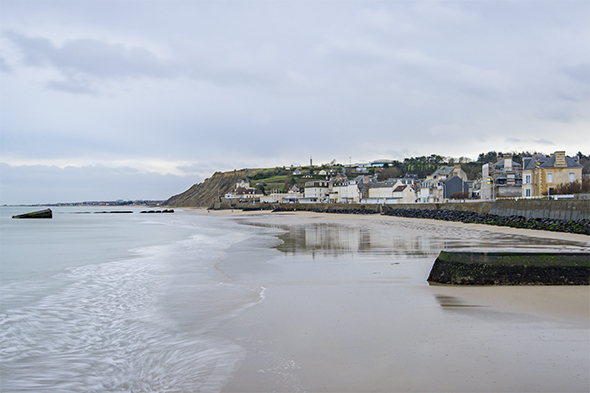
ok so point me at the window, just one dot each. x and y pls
(527, 179)
(572, 177)
(550, 178)
(527, 192)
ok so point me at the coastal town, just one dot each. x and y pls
(536, 176)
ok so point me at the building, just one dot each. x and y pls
(404, 193)
(431, 191)
(242, 184)
(382, 189)
(316, 192)
(433, 188)
(380, 163)
(346, 191)
(292, 196)
(541, 174)
(446, 172)
(502, 179)
(390, 192)
(250, 194)
(454, 186)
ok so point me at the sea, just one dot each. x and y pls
(95, 301)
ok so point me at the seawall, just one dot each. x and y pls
(564, 210)
(511, 268)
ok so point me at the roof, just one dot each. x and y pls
(359, 179)
(400, 188)
(383, 184)
(501, 164)
(529, 162)
(547, 162)
(570, 163)
(443, 171)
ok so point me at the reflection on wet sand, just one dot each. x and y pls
(333, 239)
(400, 240)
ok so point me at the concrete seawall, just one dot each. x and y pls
(572, 210)
(565, 210)
(511, 268)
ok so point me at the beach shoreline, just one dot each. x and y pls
(349, 310)
(341, 216)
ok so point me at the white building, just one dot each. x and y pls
(391, 192)
(431, 190)
(404, 193)
(316, 192)
(346, 191)
(282, 197)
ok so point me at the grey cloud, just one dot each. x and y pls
(580, 73)
(85, 62)
(73, 85)
(543, 142)
(4, 67)
(201, 169)
(528, 142)
(90, 57)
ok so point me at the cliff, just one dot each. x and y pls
(205, 194)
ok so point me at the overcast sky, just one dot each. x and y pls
(104, 100)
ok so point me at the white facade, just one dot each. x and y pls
(282, 197)
(316, 191)
(486, 182)
(431, 191)
(346, 192)
(381, 190)
(404, 194)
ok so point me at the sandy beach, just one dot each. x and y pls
(347, 309)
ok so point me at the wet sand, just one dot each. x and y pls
(348, 309)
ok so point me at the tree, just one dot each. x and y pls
(389, 173)
(262, 187)
(490, 156)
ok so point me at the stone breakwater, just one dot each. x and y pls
(581, 226)
(511, 268)
(329, 208)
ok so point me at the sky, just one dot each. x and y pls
(135, 99)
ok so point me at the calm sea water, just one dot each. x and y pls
(117, 302)
(93, 302)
